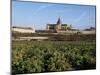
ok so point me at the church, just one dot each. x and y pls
(58, 26)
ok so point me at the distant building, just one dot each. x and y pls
(58, 27)
(91, 30)
(23, 29)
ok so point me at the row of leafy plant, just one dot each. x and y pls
(50, 56)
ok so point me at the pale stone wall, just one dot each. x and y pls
(67, 32)
(31, 38)
(23, 30)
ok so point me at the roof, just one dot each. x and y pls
(21, 27)
(64, 25)
(56, 24)
(51, 24)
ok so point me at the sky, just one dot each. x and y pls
(35, 14)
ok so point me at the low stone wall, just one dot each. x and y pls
(68, 32)
(31, 38)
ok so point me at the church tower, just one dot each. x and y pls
(58, 26)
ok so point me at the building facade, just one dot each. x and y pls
(23, 29)
(58, 27)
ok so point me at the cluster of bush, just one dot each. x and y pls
(50, 56)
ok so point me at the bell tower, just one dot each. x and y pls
(58, 24)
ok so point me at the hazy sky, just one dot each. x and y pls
(39, 14)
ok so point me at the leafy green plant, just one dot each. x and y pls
(52, 56)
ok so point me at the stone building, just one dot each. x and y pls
(58, 27)
(23, 29)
